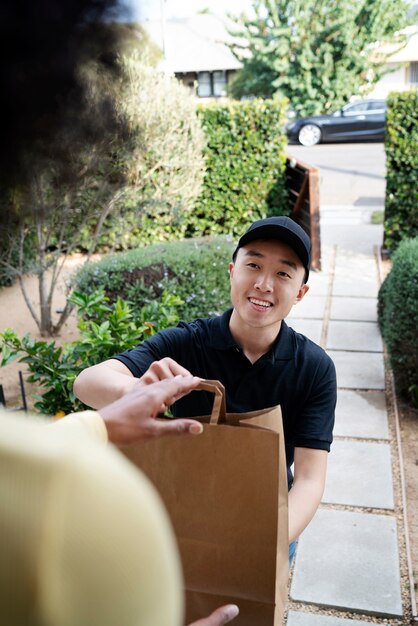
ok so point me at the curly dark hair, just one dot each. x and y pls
(42, 44)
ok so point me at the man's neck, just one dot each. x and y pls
(254, 341)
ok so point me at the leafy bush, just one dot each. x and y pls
(398, 317)
(401, 144)
(194, 270)
(105, 331)
(245, 165)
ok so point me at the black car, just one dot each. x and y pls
(363, 120)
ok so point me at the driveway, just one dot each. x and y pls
(351, 174)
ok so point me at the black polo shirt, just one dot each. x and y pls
(296, 373)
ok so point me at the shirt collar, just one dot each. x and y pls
(220, 336)
(222, 339)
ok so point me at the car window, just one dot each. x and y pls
(353, 109)
(377, 106)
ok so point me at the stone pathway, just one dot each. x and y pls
(347, 569)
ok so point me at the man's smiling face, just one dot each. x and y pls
(266, 281)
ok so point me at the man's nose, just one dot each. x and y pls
(264, 283)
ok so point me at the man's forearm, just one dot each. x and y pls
(304, 499)
(308, 486)
(104, 383)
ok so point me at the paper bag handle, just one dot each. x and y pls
(218, 415)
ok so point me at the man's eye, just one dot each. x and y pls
(252, 265)
(284, 274)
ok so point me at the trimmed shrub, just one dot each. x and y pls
(401, 144)
(194, 270)
(398, 318)
(245, 166)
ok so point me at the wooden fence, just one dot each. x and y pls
(303, 188)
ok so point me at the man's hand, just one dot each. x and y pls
(221, 616)
(160, 370)
(131, 419)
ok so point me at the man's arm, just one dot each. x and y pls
(308, 486)
(102, 384)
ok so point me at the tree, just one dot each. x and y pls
(150, 162)
(318, 53)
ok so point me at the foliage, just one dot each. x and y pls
(245, 163)
(148, 166)
(316, 53)
(194, 270)
(398, 317)
(105, 330)
(401, 144)
(165, 159)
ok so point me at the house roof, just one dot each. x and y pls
(195, 44)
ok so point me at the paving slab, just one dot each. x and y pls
(360, 336)
(355, 285)
(311, 307)
(347, 259)
(359, 474)
(355, 275)
(298, 618)
(354, 309)
(349, 561)
(310, 328)
(359, 370)
(319, 281)
(350, 239)
(361, 414)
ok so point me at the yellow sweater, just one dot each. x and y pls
(84, 538)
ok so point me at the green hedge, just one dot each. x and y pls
(398, 317)
(401, 144)
(194, 270)
(245, 165)
(244, 178)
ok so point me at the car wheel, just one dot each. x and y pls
(309, 135)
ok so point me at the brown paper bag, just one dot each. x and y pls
(226, 493)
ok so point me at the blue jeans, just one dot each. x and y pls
(292, 550)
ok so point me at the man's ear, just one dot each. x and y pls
(231, 269)
(301, 293)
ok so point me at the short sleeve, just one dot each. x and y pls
(315, 423)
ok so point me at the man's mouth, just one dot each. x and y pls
(262, 303)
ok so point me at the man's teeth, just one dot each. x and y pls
(260, 302)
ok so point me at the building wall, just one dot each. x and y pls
(396, 80)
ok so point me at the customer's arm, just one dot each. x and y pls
(308, 486)
(101, 384)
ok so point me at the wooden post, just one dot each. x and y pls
(303, 189)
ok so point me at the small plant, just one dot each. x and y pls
(105, 330)
(377, 217)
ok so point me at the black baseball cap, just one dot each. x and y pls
(284, 229)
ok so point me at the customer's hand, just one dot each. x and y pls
(221, 616)
(131, 419)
